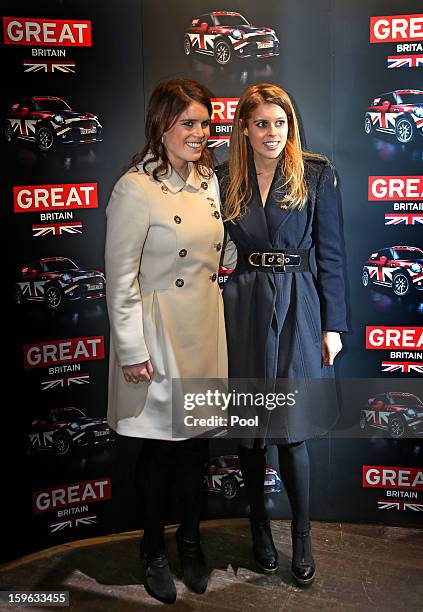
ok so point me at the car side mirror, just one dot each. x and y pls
(383, 260)
(204, 26)
(385, 105)
(25, 109)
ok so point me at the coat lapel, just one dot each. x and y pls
(254, 223)
(276, 216)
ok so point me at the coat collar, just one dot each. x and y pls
(175, 183)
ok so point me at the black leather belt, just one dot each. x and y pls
(289, 260)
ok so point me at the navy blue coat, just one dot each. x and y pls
(274, 321)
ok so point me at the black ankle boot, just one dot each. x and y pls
(303, 568)
(195, 573)
(158, 580)
(264, 549)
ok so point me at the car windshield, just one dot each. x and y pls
(232, 21)
(55, 105)
(413, 255)
(406, 400)
(410, 98)
(59, 265)
(66, 415)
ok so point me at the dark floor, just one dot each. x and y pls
(359, 567)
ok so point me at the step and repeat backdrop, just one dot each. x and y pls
(77, 77)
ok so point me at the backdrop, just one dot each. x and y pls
(77, 77)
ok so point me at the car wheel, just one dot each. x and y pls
(396, 427)
(8, 132)
(400, 284)
(222, 52)
(53, 297)
(61, 444)
(230, 488)
(365, 277)
(187, 45)
(368, 125)
(45, 138)
(404, 130)
(363, 421)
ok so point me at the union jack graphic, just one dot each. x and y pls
(57, 229)
(387, 504)
(66, 380)
(403, 219)
(220, 141)
(88, 519)
(405, 61)
(66, 66)
(405, 367)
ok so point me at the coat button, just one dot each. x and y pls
(182, 253)
(164, 189)
(179, 282)
(204, 185)
(218, 246)
(213, 277)
(216, 215)
(177, 219)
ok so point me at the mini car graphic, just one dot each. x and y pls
(397, 267)
(226, 35)
(64, 429)
(224, 477)
(399, 413)
(47, 121)
(55, 280)
(398, 112)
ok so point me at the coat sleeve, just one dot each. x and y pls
(329, 259)
(127, 227)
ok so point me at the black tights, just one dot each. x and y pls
(295, 473)
(166, 465)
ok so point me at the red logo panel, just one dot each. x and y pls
(63, 496)
(396, 28)
(388, 188)
(39, 198)
(46, 32)
(382, 477)
(63, 351)
(383, 337)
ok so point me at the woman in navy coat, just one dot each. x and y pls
(282, 319)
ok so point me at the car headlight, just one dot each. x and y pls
(66, 278)
(411, 412)
(418, 112)
(237, 34)
(59, 119)
(415, 267)
(74, 426)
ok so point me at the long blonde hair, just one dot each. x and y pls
(239, 184)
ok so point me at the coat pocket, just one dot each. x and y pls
(313, 325)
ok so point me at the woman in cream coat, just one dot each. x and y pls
(164, 237)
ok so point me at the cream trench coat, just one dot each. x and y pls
(162, 255)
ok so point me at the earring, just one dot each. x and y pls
(162, 139)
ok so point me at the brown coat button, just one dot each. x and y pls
(216, 214)
(204, 185)
(179, 282)
(177, 219)
(182, 253)
(213, 277)
(164, 189)
(218, 246)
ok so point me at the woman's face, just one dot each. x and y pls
(267, 131)
(186, 139)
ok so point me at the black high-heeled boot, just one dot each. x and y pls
(195, 572)
(158, 580)
(264, 549)
(303, 567)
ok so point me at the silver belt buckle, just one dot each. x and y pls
(276, 259)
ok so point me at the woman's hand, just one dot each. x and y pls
(331, 346)
(139, 371)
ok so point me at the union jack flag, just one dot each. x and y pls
(88, 519)
(220, 141)
(65, 66)
(405, 367)
(66, 380)
(387, 504)
(57, 229)
(403, 219)
(405, 61)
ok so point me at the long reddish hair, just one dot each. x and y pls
(168, 100)
(239, 184)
